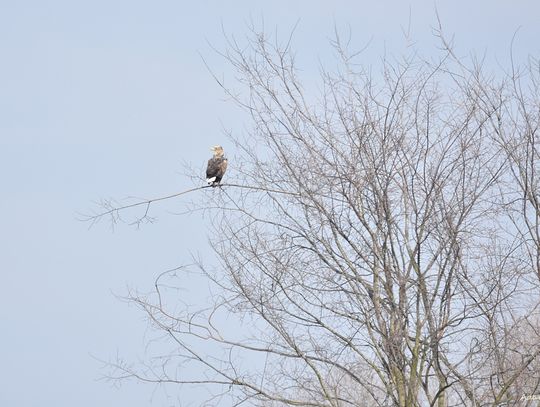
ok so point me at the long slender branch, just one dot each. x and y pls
(113, 211)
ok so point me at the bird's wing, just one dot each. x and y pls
(213, 167)
(223, 167)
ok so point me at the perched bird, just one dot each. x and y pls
(216, 166)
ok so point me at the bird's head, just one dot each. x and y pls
(218, 151)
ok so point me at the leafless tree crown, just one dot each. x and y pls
(380, 244)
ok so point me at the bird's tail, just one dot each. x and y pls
(210, 181)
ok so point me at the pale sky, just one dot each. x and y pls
(104, 99)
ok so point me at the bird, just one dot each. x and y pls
(217, 165)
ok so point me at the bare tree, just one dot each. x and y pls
(380, 244)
